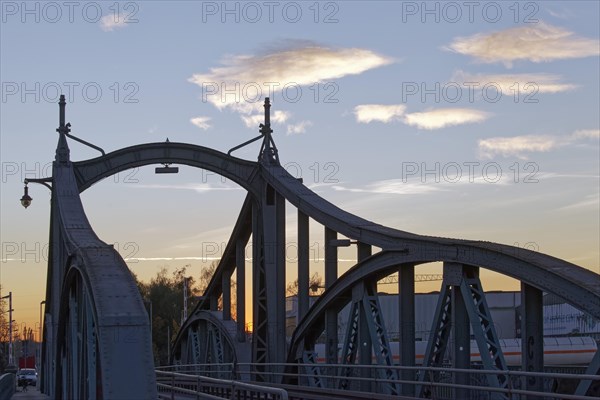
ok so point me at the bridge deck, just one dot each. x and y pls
(32, 393)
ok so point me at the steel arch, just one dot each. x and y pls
(388, 261)
(578, 286)
(207, 338)
(88, 282)
(240, 171)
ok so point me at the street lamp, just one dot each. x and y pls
(27, 199)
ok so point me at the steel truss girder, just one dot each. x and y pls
(458, 278)
(380, 341)
(194, 353)
(438, 339)
(387, 261)
(351, 344)
(483, 329)
(312, 369)
(367, 307)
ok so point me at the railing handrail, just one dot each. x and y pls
(247, 368)
(235, 386)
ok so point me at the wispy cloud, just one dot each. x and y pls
(535, 42)
(198, 187)
(440, 118)
(562, 14)
(587, 134)
(516, 146)
(252, 121)
(520, 146)
(110, 22)
(379, 112)
(299, 128)
(201, 122)
(522, 84)
(302, 65)
(591, 201)
(392, 186)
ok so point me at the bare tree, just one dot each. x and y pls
(315, 285)
(206, 274)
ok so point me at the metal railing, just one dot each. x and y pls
(170, 384)
(441, 383)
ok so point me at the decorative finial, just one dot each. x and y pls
(62, 149)
(62, 127)
(268, 149)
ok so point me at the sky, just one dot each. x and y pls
(475, 120)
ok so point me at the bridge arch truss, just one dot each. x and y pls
(97, 326)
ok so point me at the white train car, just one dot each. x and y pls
(558, 351)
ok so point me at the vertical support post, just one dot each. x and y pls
(303, 265)
(226, 285)
(461, 351)
(214, 303)
(259, 294)
(280, 266)
(240, 261)
(364, 337)
(406, 298)
(532, 335)
(331, 325)
(271, 280)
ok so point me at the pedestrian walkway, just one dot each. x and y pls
(32, 393)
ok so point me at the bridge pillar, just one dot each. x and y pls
(303, 265)
(406, 331)
(364, 337)
(331, 270)
(268, 233)
(461, 351)
(226, 285)
(240, 261)
(532, 336)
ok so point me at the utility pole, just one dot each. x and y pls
(11, 361)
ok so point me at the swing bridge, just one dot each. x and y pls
(97, 339)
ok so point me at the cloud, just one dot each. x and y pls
(201, 122)
(378, 112)
(440, 118)
(590, 201)
(392, 186)
(253, 121)
(517, 145)
(515, 84)
(110, 22)
(520, 146)
(293, 65)
(537, 43)
(299, 128)
(586, 134)
(198, 187)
